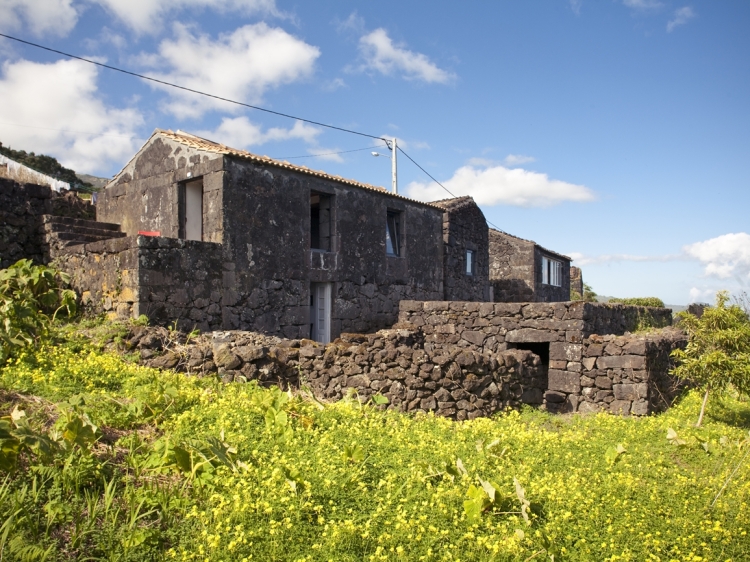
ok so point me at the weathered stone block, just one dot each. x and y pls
(621, 362)
(358, 381)
(620, 407)
(475, 337)
(603, 382)
(564, 381)
(225, 358)
(588, 408)
(529, 335)
(428, 403)
(637, 347)
(630, 391)
(639, 408)
(588, 363)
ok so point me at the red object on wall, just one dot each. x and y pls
(149, 232)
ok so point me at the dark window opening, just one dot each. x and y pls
(537, 348)
(320, 222)
(393, 234)
(471, 262)
(190, 210)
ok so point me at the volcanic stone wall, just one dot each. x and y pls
(511, 267)
(260, 214)
(104, 274)
(591, 360)
(414, 375)
(21, 210)
(464, 229)
(576, 280)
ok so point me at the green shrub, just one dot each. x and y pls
(718, 351)
(588, 294)
(639, 301)
(31, 296)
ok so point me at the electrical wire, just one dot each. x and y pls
(324, 153)
(426, 172)
(184, 88)
(170, 84)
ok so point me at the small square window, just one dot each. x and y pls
(471, 262)
(393, 234)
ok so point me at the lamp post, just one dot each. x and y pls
(393, 147)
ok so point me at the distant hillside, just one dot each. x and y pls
(46, 165)
(675, 307)
(96, 182)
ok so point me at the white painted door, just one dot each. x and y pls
(320, 315)
(194, 210)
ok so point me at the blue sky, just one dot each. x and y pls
(616, 131)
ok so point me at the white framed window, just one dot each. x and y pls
(471, 262)
(551, 272)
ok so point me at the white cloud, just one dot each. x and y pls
(380, 54)
(147, 16)
(702, 295)
(582, 259)
(329, 154)
(518, 159)
(642, 4)
(575, 5)
(497, 185)
(42, 17)
(62, 116)
(681, 17)
(333, 85)
(354, 23)
(724, 256)
(481, 162)
(240, 66)
(240, 132)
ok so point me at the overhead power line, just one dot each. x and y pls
(425, 171)
(325, 153)
(220, 98)
(186, 89)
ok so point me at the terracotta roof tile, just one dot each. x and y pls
(200, 143)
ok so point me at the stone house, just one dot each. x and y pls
(221, 238)
(523, 271)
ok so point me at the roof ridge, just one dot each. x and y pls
(191, 139)
(532, 242)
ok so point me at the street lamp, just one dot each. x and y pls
(393, 147)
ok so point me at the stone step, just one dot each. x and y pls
(82, 238)
(52, 228)
(85, 223)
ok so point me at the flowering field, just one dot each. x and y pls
(120, 462)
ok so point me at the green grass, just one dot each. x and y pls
(187, 468)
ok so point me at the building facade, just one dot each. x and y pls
(302, 253)
(523, 271)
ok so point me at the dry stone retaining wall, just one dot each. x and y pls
(414, 375)
(21, 209)
(592, 361)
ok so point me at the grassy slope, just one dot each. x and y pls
(345, 482)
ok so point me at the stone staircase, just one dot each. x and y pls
(63, 232)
